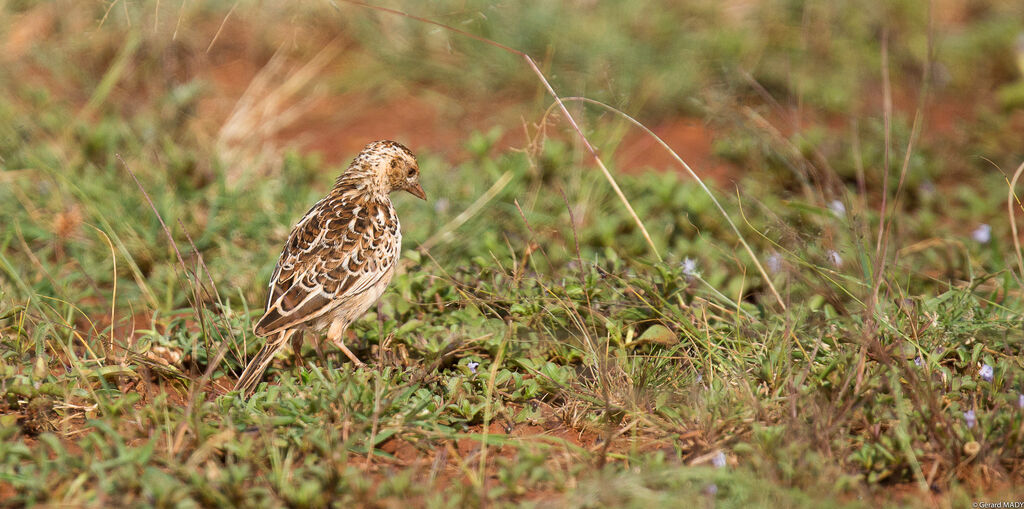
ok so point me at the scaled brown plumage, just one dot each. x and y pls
(339, 257)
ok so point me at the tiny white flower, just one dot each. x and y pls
(690, 267)
(982, 234)
(441, 205)
(834, 258)
(1020, 401)
(986, 373)
(774, 263)
(718, 460)
(837, 208)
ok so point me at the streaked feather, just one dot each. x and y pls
(340, 249)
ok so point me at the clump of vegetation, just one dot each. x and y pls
(535, 348)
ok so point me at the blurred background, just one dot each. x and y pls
(251, 110)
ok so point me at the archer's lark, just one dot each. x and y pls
(340, 256)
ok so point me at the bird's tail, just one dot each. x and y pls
(254, 370)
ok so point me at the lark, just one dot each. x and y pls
(339, 257)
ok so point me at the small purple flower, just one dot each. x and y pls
(472, 366)
(918, 361)
(834, 258)
(1020, 401)
(441, 205)
(690, 267)
(718, 460)
(837, 208)
(774, 263)
(711, 490)
(971, 419)
(927, 187)
(982, 234)
(986, 372)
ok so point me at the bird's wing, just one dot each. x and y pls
(341, 248)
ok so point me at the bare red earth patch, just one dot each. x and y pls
(691, 138)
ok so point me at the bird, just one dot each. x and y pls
(339, 257)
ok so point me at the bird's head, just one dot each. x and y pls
(390, 166)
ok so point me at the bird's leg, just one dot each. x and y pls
(381, 343)
(319, 347)
(336, 334)
(380, 319)
(296, 343)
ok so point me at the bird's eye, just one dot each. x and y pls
(412, 172)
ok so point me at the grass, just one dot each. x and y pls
(534, 350)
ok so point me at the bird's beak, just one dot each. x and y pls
(417, 191)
